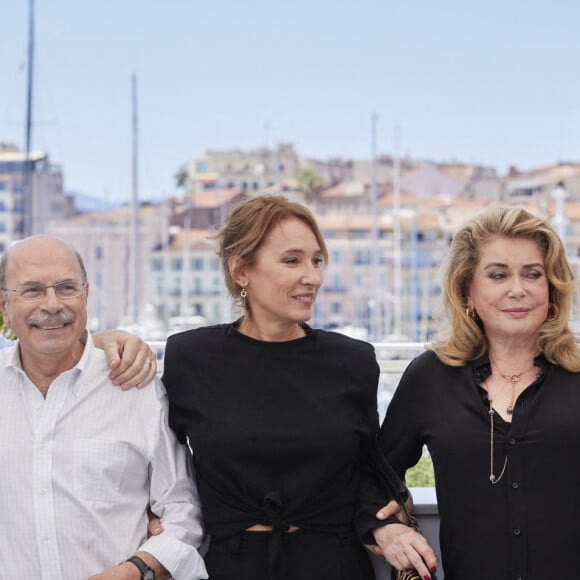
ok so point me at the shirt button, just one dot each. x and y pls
(44, 538)
(515, 485)
(517, 531)
(42, 492)
(512, 441)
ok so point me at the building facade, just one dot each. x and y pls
(248, 171)
(31, 193)
(119, 275)
(381, 282)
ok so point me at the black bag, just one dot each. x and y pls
(395, 488)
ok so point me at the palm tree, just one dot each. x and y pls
(310, 183)
(181, 177)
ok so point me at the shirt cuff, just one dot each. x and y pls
(183, 562)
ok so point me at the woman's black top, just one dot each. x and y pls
(527, 526)
(278, 430)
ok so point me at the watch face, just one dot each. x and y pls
(148, 575)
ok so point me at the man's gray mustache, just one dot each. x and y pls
(57, 319)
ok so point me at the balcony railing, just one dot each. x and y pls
(393, 357)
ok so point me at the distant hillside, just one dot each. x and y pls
(86, 204)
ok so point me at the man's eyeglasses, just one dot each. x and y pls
(36, 292)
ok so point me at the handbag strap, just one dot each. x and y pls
(393, 484)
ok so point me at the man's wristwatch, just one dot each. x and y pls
(146, 572)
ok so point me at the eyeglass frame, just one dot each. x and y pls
(20, 291)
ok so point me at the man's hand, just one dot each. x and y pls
(131, 360)
(125, 571)
(128, 570)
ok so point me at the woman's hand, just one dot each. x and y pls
(131, 361)
(400, 544)
(154, 527)
(391, 509)
(403, 548)
(394, 509)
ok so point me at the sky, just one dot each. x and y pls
(493, 82)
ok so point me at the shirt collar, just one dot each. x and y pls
(15, 363)
(481, 367)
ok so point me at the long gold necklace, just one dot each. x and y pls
(513, 379)
(492, 476)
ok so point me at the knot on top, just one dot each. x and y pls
(272, 507)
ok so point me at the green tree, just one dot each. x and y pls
(310, 183)
(181, 177)
(5, 330)
(421, 475)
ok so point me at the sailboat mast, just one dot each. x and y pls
(135, 295)
(398, 280)
(28, 220)
(375, 298)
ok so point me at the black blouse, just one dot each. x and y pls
(277, 430)
(526, 526)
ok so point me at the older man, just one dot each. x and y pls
(81, 461)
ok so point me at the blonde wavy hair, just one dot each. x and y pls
(464, 339)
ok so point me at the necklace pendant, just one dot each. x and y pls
(510, 409)
(492, 478)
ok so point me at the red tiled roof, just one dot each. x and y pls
(214, 197)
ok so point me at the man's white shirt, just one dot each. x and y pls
(79, 469)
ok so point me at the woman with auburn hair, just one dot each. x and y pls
(496, 401)
(279, 415)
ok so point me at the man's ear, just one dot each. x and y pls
(237, 268)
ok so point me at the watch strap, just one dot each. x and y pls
(140, 564)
